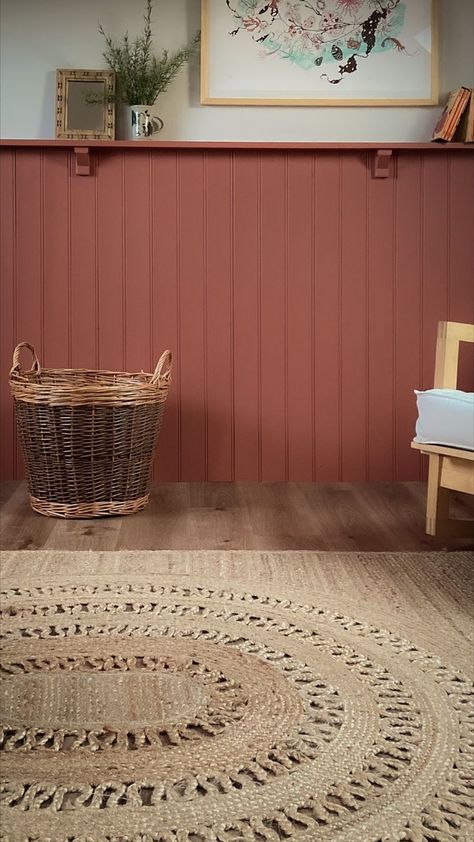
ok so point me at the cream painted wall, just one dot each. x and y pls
(37, 36)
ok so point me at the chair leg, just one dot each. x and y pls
(437, 502)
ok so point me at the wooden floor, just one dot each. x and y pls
(270, 516)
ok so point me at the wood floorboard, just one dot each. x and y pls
(82, 534)
(19, 527)
(268, 516)
(6, 491)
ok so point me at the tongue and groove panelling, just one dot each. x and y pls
(299, 295)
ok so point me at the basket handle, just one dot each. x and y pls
(166, 359)
(35, 368)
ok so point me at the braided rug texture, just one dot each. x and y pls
(164, 708)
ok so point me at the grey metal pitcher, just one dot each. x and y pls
(143, 123)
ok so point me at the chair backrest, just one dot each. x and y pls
(450, 334)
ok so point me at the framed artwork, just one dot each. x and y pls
(84, 109)
(319, 52)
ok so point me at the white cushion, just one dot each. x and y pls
(446, 417)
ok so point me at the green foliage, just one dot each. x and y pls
(140, 75)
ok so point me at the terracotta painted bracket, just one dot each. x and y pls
(381, 163)
(83, 160)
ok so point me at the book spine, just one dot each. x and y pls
(456, 115)
(441, 125)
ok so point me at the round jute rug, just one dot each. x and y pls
(142, 709)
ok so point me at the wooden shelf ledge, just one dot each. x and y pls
(382, 162)
(141, 145)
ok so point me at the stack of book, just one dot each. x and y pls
(457, 120)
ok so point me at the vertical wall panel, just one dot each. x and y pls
(165, 299)
(246, 311)
(327, 342)
(299, 295)
(273, 341)
(83, 274)
(28, 313)
(381, 335)
(192, 350)
(354, 335)
(111, 263)
(407, 312)
(7, 295)
(137, 237)
(56, 262)
(300, 312)
(29, 249)
(435, 256)
(219, 344)
(461, 257)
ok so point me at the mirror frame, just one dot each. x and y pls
(63, 77)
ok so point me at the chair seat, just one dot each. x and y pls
(453, 452)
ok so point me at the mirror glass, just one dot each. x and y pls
(81, 114)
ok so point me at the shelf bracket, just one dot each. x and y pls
(83, 160)
(381, 163)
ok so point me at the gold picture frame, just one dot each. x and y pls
(77, 119)
(239, 66)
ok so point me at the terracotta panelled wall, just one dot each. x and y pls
(299, 295)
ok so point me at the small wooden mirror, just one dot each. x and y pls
(83, 106)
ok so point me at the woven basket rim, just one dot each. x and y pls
(117, 378)
(117, 392)
(62, 386)
(33, 375)
(161, 375)
(97, 383)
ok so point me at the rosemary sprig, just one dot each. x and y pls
(140, 74)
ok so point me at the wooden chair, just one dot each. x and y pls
(450, 468)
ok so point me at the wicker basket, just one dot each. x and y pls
(88, 437)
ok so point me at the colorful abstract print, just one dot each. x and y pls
(311, 33)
